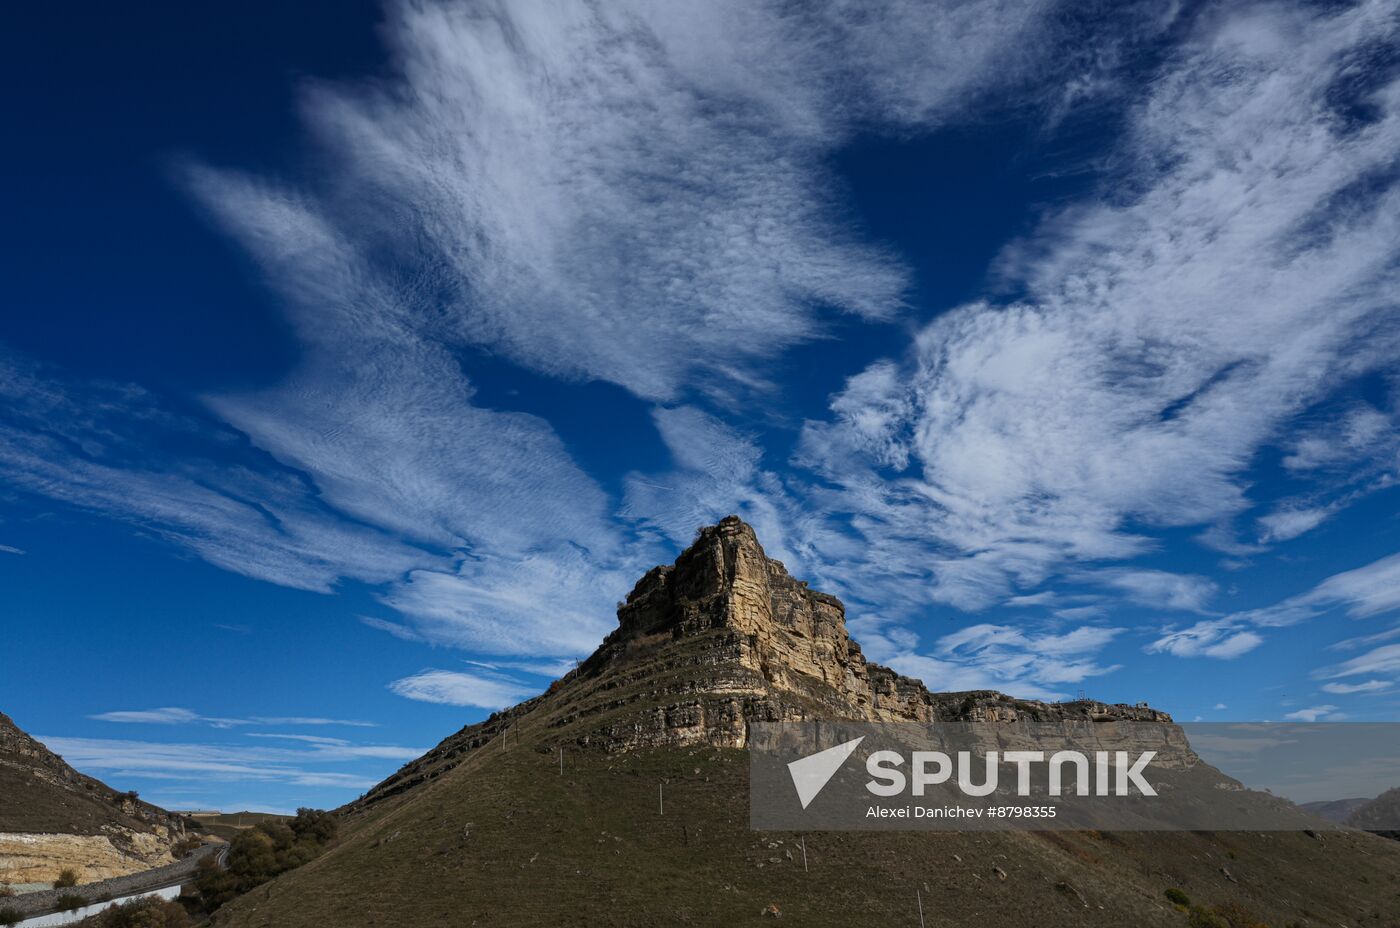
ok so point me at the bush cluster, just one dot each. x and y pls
(66, 878)
(261, 853)
(149, 912)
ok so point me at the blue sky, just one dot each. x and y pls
(357, 359)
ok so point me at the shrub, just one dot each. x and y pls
(186, 846)
(1177, 897)
(9, 916)
(66, 878)
(262, 852)
(315, 825)
(6, 890)
(70, 901)
(150, 912)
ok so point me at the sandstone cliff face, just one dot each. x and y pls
(724, 637)
(40, 858)
(795, 638)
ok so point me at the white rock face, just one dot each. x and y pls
(40, 858)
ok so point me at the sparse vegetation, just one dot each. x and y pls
(6, 891)
(70, 901)
(187, 846)
(66, 878)
(150, 912)
(1177, 897)
(9, 916)
(1225, 915)
(262, 852)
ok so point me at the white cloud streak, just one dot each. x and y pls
(174, 715)
(455, 688)
(197, 762)
(1316, 714)
(1219, 638)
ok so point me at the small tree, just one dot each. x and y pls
(66, 878)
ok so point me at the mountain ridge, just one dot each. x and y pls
(52, 818)
(726, 636)
(618, 798)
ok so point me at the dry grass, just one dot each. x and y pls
(503, 839)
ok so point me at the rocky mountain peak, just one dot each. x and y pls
(724, 580)
(723, 637)
(794, 641)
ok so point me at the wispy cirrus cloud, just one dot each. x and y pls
(636, 193)
(1361, 593)
(1382, 660)
(1348, 689)
(484, 689)
(1010, 659)
(175, 715)
(1219, 638)
(1157, 588)
(1168, 330)
(630, 193)
(312, 766)
(97, 446)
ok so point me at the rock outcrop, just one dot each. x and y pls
(795, 640)
(724, 637)
(54, 818)
(40, 858)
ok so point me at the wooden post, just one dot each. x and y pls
(561, 760)
(660, 800)
(804, 854)
(920, 897)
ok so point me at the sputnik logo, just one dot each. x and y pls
(811, 773)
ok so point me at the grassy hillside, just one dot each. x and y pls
(504, 839)
(40, 793)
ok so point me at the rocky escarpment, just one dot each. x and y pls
(724, 637)
(54, 818)
(794, 639)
